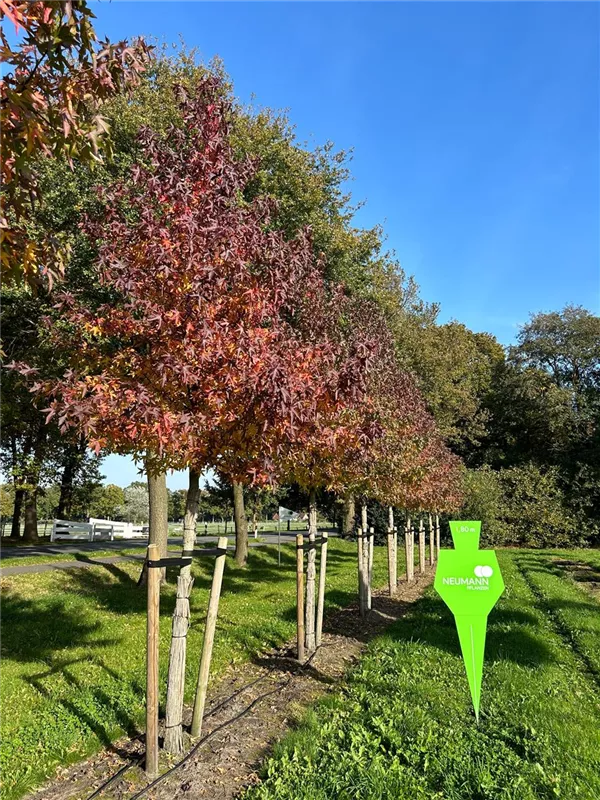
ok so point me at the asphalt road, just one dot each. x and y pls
(81, 546)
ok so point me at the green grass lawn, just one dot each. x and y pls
(402, 726)
(73, 648)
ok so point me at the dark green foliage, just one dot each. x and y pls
(524, 506)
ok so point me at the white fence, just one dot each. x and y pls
(96, 529)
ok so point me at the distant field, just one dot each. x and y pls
(211, 528)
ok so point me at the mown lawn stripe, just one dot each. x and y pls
(403, 727)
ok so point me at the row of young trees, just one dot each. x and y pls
(221, 343)
(533, 410)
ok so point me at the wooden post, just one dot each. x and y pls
(300, 595)
(395, 559)
(421, 547)
(370, 570)
(391, 553)
(431, 543)
(361, 588)
(311, 572)
(437, 534)
(209, 638)
(364, 559)
(408, 551)
(152, 631)
(321, 597)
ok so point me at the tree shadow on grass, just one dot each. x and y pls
(84, 701)
(47, 631)
(32, 630)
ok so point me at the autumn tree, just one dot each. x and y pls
(217, 346)
(58, 77)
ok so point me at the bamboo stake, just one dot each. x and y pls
(408, 551)
(431, 543)
(300, 595)
(321, 597)
(209, 637)
(437, 534)
(421, 547)
(152, 631)
(370, 572)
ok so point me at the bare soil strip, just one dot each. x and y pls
(250, 708)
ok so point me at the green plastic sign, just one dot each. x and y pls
(469, 581)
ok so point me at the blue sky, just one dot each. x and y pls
(475, 129)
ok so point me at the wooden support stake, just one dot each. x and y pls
(431, 543)
(421, 547)
(321, 597)
(361, 588)
(437, 534)
(300, 595)
(408, 551)
(153, 586)
(371, 541)
(311, 573)
(209, 638)
(395, 574)
(391, 553)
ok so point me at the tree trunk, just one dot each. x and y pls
(409, 545)
(241, 525)
(191, 516)
(431, 543)
(392, 581)
(30, 532)
(311, 571)
(181, 622)
(32, 479)
(364, 560)
(70, 464)
(15, 530)
(158, 523)
(348, 515)
(421, 547)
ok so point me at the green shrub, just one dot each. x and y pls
(521, 506)
(484, 500)
(536, 513)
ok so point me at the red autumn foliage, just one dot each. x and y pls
(223, 345)
(394, 453)
(57, 78)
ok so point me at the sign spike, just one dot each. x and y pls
(469, 581)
